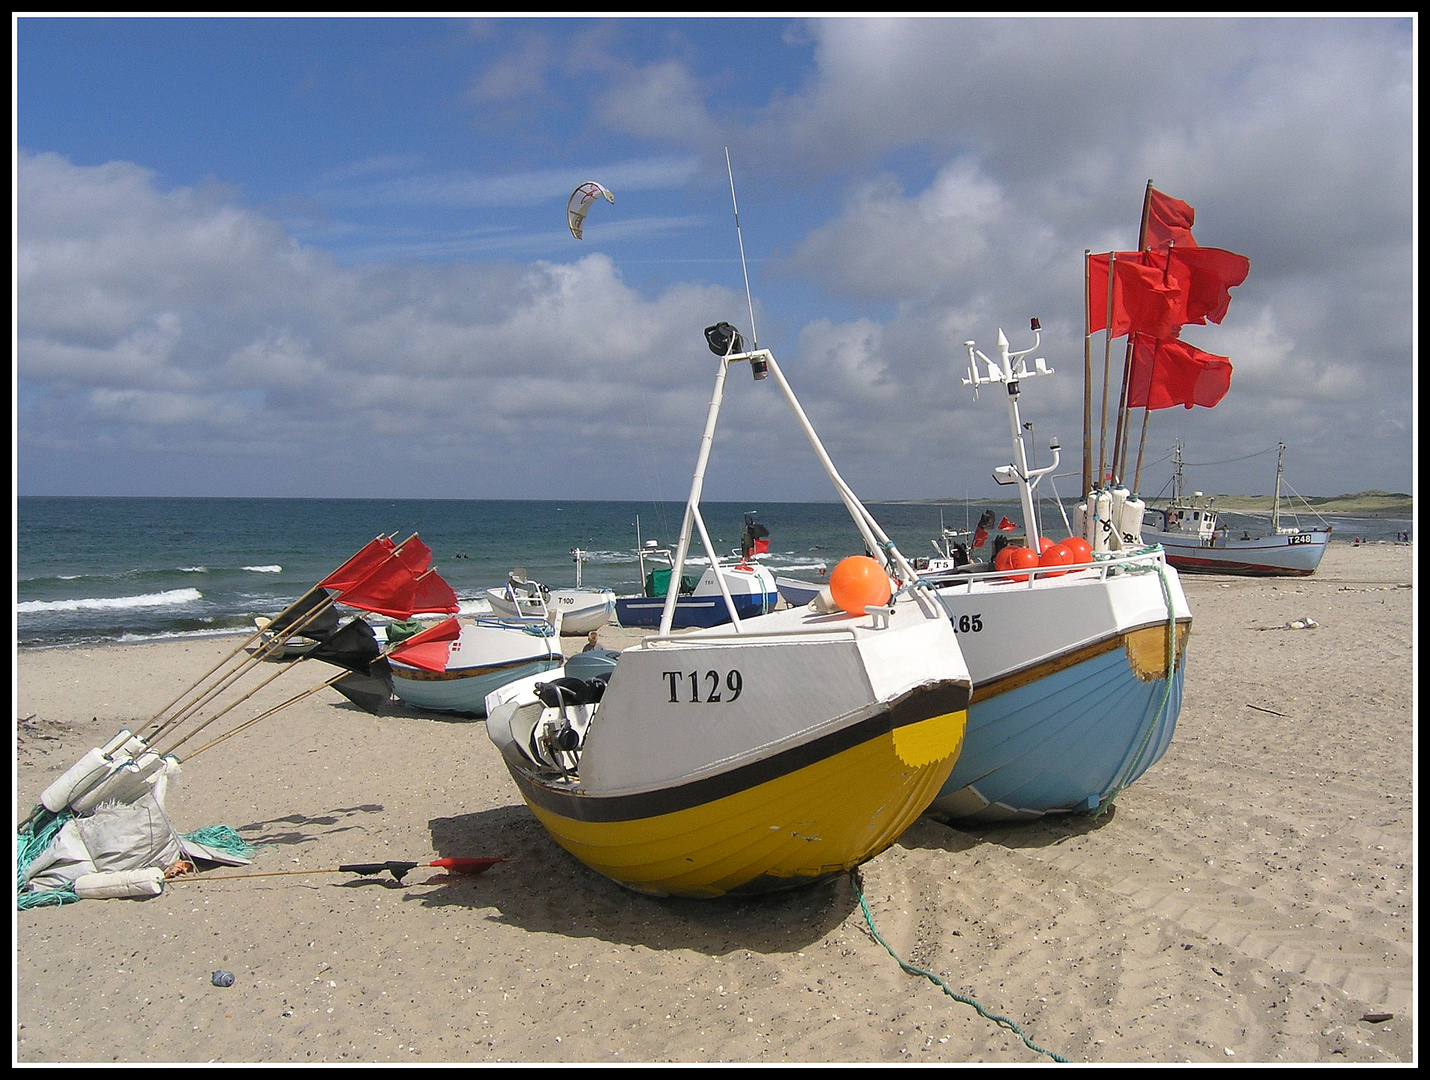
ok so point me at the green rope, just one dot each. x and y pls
(221, 838)
(42, 829)
(31, 841)
(1001, 1020)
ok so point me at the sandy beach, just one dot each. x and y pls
(1249, 900)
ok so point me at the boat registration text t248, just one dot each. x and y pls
(709, 686)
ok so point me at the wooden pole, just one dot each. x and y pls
(261, 716)
(1121, 457)
(233, 676)
(382, 655)
(242, 645)
(262, 654)
(1106, 371)
(1086, 377)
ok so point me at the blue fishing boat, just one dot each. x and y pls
(1077, 665)
(700, 602)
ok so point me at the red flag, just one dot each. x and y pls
(431, 593)
(1170, 372)
(1007, 526)
(373, 555)
(429, 650)
(762, 547)
(980, 534)
(415, 555)
(1145, 299)
(1207, 276)
(394, 590)
(1169, 222)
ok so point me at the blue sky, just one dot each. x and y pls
(329, 257)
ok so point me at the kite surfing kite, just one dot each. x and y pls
(580, 202)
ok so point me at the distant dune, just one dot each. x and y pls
(1364, 504)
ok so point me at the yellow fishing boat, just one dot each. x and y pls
(765, 753)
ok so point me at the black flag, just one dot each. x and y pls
(319, 627)
(353, 647)
(750, 536)
(985, 523)
(368, 692)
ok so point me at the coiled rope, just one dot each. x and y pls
(1003, 1021)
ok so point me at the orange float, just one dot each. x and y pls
(859, 582)
(1056, 555)
(1016, 558)
(1081, 550)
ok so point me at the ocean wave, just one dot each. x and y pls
(263, 569)
(193, 569)
(167, 598)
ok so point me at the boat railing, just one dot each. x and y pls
(729, 635)
(1103, 566)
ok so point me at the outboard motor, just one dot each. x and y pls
(562, 694)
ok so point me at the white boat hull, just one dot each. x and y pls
(486, 656)
(721, 762)
(582, 610)
(1295, 554)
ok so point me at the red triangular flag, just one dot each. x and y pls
(429, 650)
(373, 555)
(1007, 526)
(394, 590)
(415, 555)
(430, 594)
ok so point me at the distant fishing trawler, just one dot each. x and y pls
(1195, 540)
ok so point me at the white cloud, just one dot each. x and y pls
(202, 325)
(962, 165)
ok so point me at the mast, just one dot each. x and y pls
(1009, 369)
(1276, 500)
(1086, 378)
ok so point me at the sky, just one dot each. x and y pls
(329, 257)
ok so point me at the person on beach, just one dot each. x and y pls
(590, 642)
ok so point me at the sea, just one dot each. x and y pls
(92, 571)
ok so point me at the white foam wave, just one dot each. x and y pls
(193, 569)
(167, 598)
(263, 569)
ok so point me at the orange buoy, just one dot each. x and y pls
(1059, 555)
(1081, 550)
(1016, 558)
(859, 582)
(1044, 542)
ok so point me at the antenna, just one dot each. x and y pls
(754, 334)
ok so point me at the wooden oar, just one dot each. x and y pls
(398, 870)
